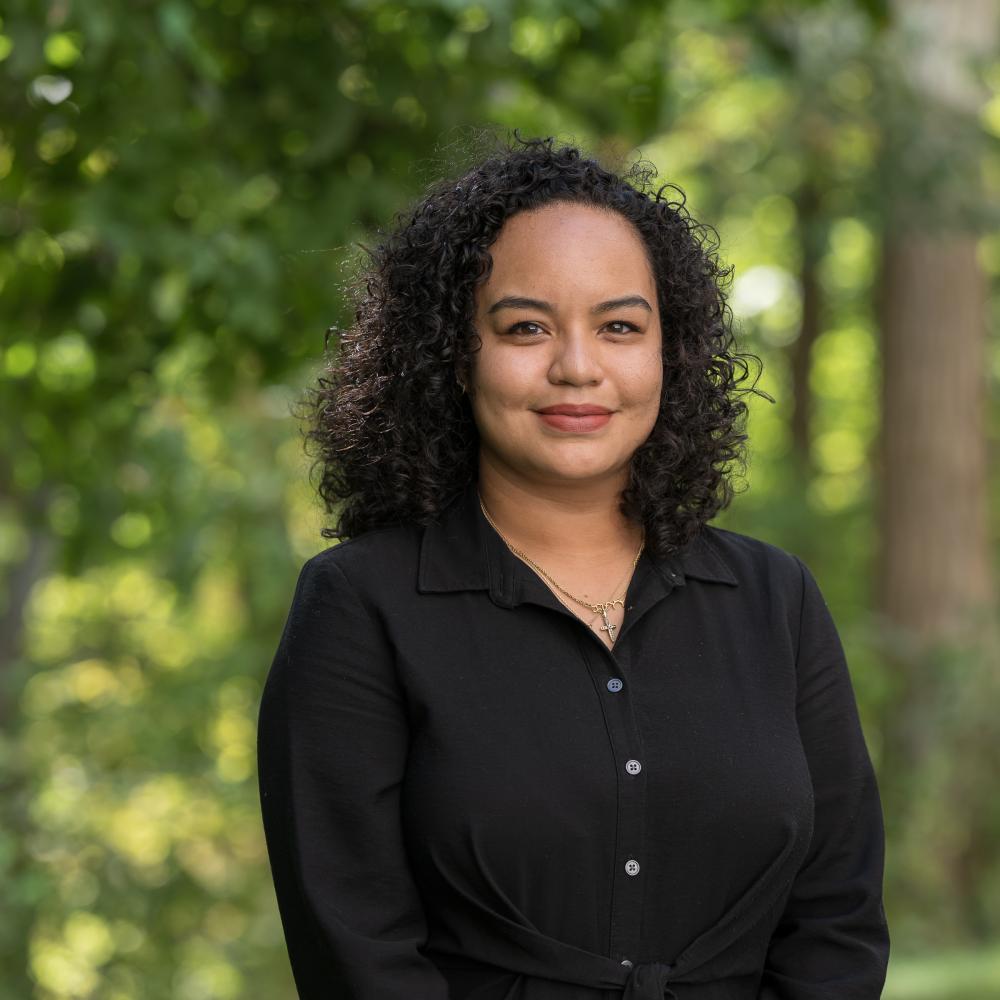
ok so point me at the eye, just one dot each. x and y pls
(519, 327)
(620, 322)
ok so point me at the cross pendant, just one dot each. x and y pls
(608, 625)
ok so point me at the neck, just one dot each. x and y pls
(568, 522)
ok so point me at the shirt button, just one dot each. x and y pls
(632, 866)
(625, 961)
(615, 684)
(633, 766)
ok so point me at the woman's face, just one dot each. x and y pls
(568, 317)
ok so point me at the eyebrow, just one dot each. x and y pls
(519, 302)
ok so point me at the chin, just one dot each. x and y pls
(577, 471)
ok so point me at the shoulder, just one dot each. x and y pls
(756, 562)
(773, 583)
(371, 563)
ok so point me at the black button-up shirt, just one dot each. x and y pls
(467, 794)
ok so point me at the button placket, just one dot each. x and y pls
(616, 703)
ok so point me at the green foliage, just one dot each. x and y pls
(949, 975)
(183, 189)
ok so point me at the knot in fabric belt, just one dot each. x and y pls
(650, 981)
(730, 949)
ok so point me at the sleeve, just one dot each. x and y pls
(332, 740)
(832, 941)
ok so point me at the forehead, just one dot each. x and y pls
(577, 248)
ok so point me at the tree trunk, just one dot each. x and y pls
(934, 584)
(936, 556)
(811, 248)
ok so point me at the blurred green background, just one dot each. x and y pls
(184, 188)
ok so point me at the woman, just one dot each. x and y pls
(535, 730)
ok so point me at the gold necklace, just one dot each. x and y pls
(602, 609)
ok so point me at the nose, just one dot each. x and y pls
(576, 360)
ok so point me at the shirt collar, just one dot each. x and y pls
(462, 551)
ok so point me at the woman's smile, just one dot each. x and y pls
(581, 423)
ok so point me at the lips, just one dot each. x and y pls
(576, 410)
(576, 419)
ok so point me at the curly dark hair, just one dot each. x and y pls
(395, 434)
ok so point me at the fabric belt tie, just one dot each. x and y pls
(731, 948)
(650, 981)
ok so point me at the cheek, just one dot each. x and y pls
(644, 383)
(505, 379)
